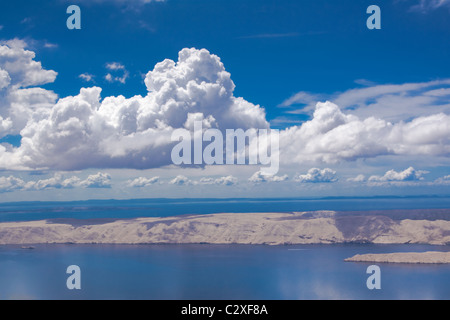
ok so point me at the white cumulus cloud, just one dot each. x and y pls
(23, 70)
(99, 180)
(180, 180)
(332, 136)
(58, 181)
(409, 174)
(224, 181)
(11, 183)
(316, 175)
(20, 98)
(259, 177)
(84, 131)
(142, 182)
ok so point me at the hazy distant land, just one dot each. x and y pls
(320, 227)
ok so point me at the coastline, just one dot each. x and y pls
(318, 227)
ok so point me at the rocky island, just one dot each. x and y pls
(429, 257)
(321, 227)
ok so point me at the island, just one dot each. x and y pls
(429, 257)
(319, 227)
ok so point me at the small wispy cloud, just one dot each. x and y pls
(303, 98)
(425, 6)
(124, 5)
(271, 35)
(86, 77)
(393, 102)
(358, 178)
(116, 67)
(25, 20)
(443, 181)
(365, 82)
(280, 35)
(144, 25)
(122, 1)
(49, 45)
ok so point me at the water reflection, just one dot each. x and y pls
(215, 272)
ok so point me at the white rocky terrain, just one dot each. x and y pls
(322, 227)
(429, 257)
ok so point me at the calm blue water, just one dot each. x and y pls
(214, 272)
(169, 207)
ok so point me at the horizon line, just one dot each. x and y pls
(233, 199)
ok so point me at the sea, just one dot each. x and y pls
(213, 272)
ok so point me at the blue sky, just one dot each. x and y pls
(272, 49)
(284, 56)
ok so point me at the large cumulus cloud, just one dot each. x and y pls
(332, 136)
(20, 97)
(85, 131)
